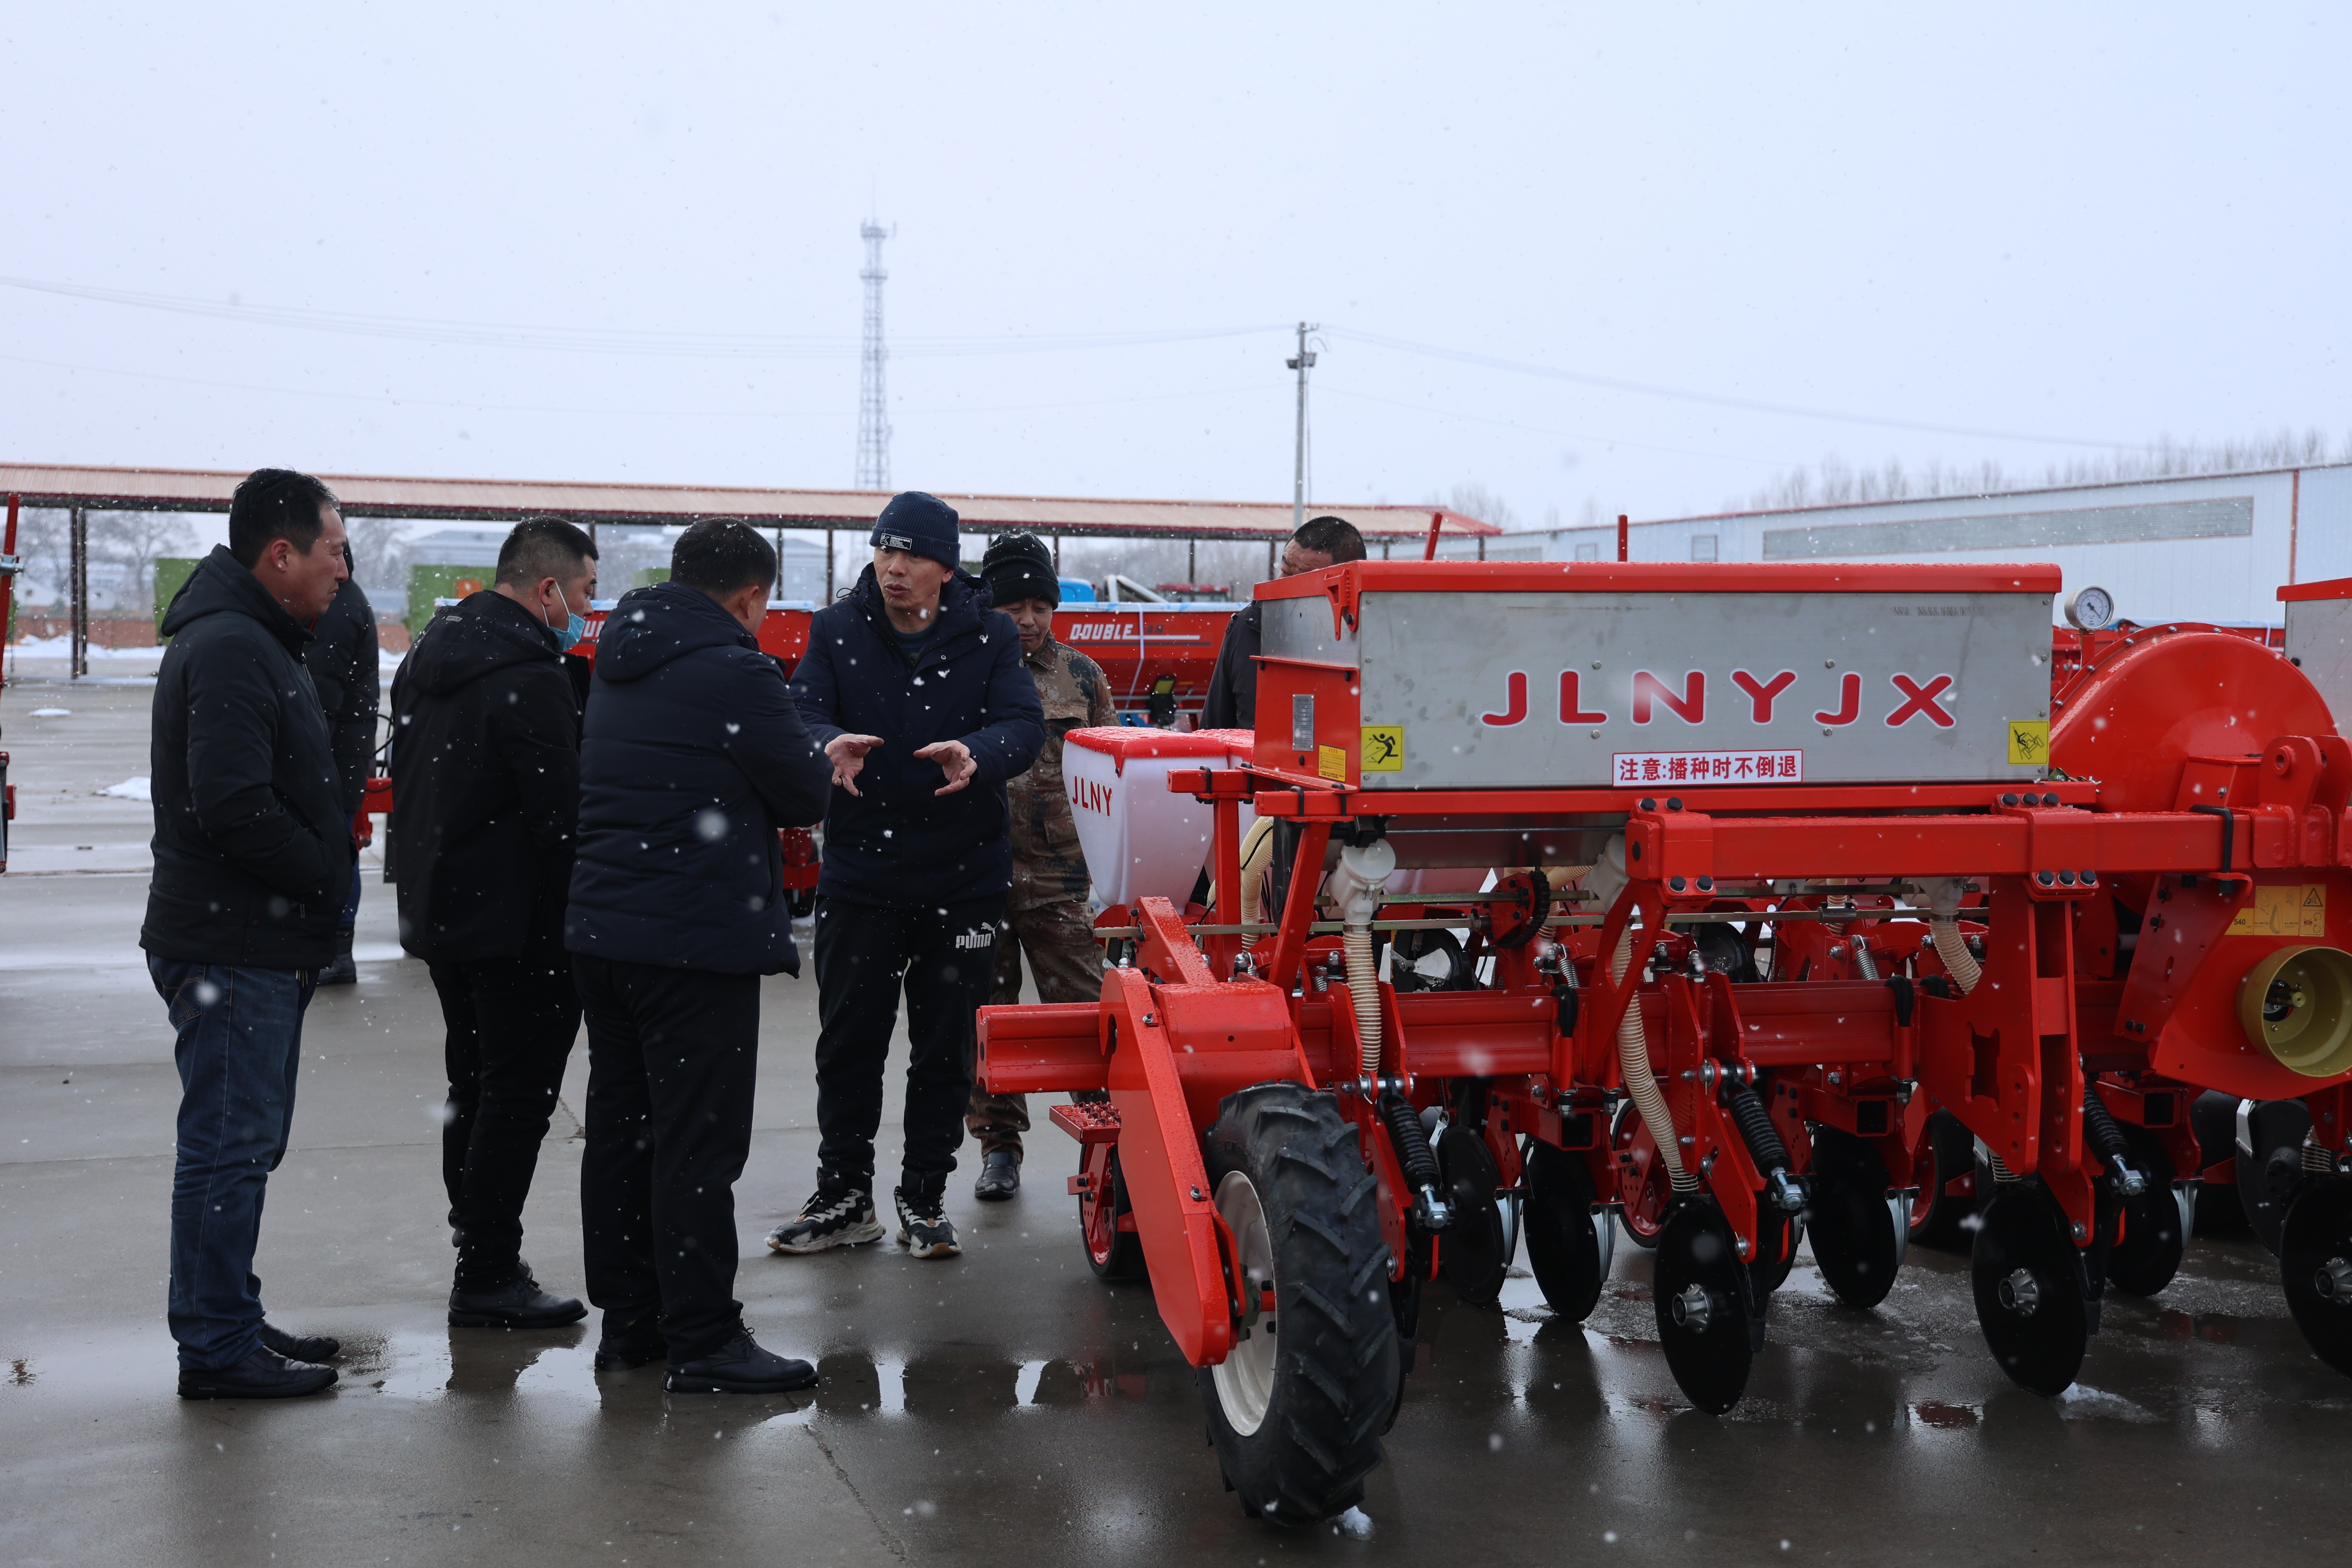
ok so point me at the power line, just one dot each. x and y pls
(614, 340)
(1753, 405)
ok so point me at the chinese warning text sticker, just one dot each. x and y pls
(1708, 767)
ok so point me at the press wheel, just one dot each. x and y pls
(1710, 1317)
(1859, 1230)
(1947, 1152)
(1567, 1252)
(2156, 1223)
(1644, 1189)
(2030, 1290)
(1473, 1253)
(1113, 1253)
(2315, 1267)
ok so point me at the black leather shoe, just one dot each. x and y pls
(629, 1340)
(741, 1367)
(343, 971)
(520, 1305)
(264, 1374)
(999, 1176)
(300, 1347)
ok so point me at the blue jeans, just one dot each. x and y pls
(240, 1042)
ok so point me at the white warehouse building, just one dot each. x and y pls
(2213, 548)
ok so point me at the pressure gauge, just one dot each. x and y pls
(2088, 609)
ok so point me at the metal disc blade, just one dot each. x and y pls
(2315, 1267)
(1707, 1312)
(2029, 1290)
(1856, 1239)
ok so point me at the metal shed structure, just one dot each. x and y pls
(2214, 547)
(83, 490)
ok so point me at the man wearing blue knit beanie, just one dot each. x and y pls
(914, 686)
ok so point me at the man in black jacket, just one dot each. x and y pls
(1231, 703)
(694, 758)
(253, 859)
(915, 688)
(341, 662)
(486, 801)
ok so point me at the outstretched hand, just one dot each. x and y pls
(847, 755)
(955, 760)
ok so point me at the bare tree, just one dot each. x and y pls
(1831, 481)
(131, 542)
(1475, 500)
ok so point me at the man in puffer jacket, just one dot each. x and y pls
(694, 757)
(486, 801)
(915, 689)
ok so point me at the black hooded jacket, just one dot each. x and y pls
(253, 849)
(899, 843)
(694, 757)
(341, 662)
(485, 784)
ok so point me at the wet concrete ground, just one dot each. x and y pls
(1001, 1407)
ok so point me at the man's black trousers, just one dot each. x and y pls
(945, 958)
(672, 1057)
(510, 1021)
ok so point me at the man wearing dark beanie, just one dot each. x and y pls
(1045, 916)
(913, 685)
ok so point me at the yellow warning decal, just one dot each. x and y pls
(1384, 748)
(1331, 762)
(2029, 741)
(2284, 908)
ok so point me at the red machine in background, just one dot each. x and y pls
(1774, 864)
(1158, 658)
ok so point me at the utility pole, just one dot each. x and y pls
(78, 612)
(873, 411)
(1302, 364)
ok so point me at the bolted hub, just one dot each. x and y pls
(2333, 1282)
(2021, 1293)
(1694, 1308)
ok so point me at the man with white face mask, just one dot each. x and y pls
(485, 806)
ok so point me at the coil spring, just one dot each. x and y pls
(2105, 1136)
(1412, 1143)
(2317, 1157)
(1756, 1128)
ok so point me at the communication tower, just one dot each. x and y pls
(873, 414)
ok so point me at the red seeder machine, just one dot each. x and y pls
(1743, 902)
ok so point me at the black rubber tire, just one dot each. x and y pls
(1126, 1260)
(1940, 1219)
(2317, 1231)
(2270, 1171)
(1471, 1252)
(2042, 1350)
(2148, 1255)
(1711, 1364)
(1563, 1240)
(1335, 1373)
(2214, 1118)
(1856, 1241)
(1411, 948)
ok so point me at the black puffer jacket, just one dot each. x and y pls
(341, 662)
(693, 757)
(484, 783)
(253, 850)
(897, 842)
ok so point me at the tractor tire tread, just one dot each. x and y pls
(1336, 1378)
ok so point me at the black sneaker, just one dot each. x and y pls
(630, 1339)
(264, 1374)
(518, 1304)
(300, 1347)
(828, 1219)
(999, 1176)
(923, 1223)
(741, 1367)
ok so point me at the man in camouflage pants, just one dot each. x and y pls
(1045, 915)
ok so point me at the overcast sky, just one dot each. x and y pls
(2082, 223)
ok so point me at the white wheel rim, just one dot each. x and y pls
(1244, 1379)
